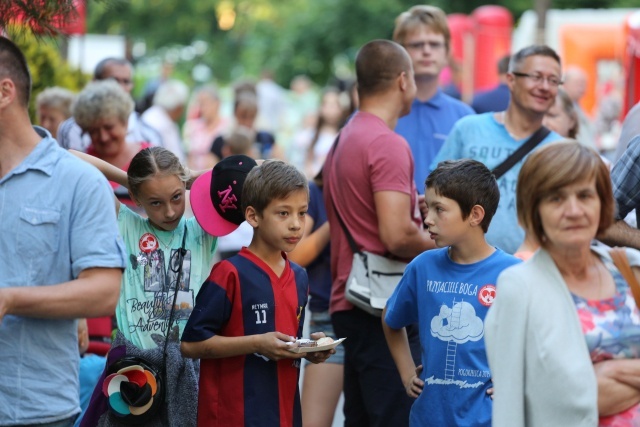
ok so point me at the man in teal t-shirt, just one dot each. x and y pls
(533, 79)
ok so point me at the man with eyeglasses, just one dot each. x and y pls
(70, 135)
(533, 79)
(424, 32)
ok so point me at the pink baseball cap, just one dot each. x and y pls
(216, 194)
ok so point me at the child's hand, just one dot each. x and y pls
(490, 391)
(319, 356)
(414, 384)
(273, 345)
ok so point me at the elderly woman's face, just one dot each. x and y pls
(571, 215)
(108, 136)
(50, 118)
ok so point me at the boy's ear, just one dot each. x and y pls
(476, 216)
(251, 216)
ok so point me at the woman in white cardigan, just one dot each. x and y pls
(542, 371)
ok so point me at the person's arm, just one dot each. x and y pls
(398, 233)
(93, 294)
(111, 172)
(400, 351)
(618, 385)
(272, 345)
(621, 234)
(311, 244)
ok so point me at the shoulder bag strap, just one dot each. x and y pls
(619, 256)
(352, 242)
(524, 149)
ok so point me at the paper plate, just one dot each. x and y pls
(318, 348)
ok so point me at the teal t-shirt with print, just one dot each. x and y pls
(149, 279)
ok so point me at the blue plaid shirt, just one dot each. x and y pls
(626, 179)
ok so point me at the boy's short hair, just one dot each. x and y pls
(273, 179)
(378, 65)
(431, 17)
(240, 141)
(13, 65)
(469, 183)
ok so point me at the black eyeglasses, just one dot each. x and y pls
(539, 78)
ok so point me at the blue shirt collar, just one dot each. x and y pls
(43, 157)
(436, 101)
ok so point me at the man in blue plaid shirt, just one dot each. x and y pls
(626, 190)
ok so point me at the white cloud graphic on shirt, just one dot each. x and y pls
(469, 328)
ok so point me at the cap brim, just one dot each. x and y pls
(206, 215)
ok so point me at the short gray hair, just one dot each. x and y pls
(99, 100)
(171, 94)
(57, 98)
(533, 50)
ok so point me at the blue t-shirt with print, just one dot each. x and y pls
(449, 301)
(482, 138)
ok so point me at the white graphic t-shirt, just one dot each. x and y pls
(149, 279)
(449, 301)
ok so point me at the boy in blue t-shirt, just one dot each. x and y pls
(448, 291)
(251, 308)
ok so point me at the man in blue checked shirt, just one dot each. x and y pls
(626, 190)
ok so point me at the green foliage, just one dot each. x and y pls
(47, 67)
(41, 17)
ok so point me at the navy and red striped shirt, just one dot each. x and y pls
(243, 296)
